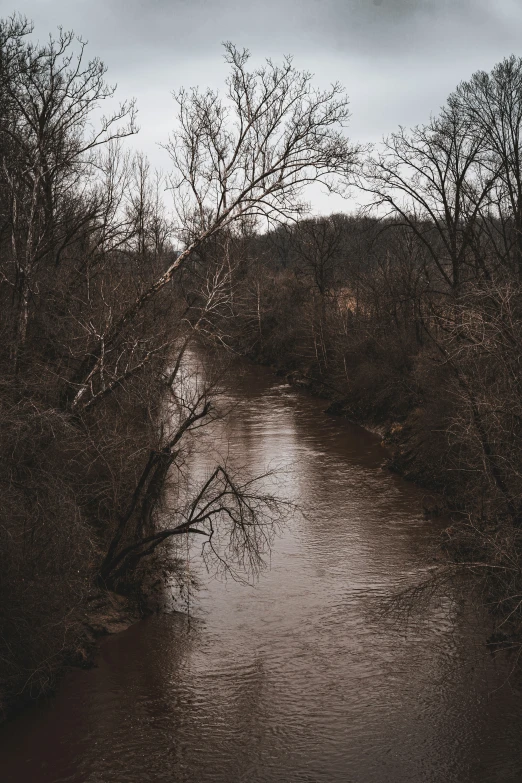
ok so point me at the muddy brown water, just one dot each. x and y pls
(295, 679)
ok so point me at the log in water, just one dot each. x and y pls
(297, 678)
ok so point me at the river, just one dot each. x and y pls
(298, 678)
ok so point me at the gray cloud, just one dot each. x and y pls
(397, 58)
(392, 29)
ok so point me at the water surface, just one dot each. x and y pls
(295, 679)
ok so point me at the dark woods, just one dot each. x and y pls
(407, 315)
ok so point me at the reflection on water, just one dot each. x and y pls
(295, 679)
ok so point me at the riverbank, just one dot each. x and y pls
(102, 614)
(402, 439)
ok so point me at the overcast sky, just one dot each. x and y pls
(398, 59)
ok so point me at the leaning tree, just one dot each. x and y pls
(238, 159)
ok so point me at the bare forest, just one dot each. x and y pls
(405, 315)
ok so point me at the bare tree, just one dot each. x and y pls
(235, 513)
(241, 158)
(151, 230)
(491, 103)
(317, 245)
(431, 180)
(47, 158)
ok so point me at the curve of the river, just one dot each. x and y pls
(298, 678)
